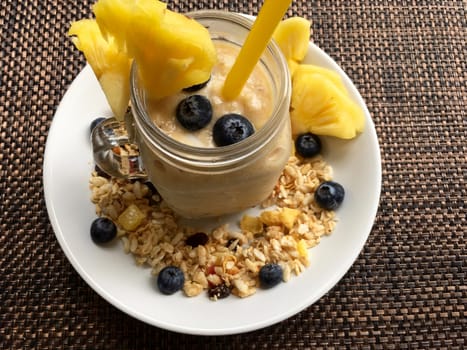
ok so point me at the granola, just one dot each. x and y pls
(288, 223)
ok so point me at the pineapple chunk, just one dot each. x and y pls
(321, 105)
(271, 218)
(110, 66)
(115, 17)
(251, 224)
(293, 35)
(302, 249)
(310, 69)
(131, 218)
(288, 216)
(172, 51)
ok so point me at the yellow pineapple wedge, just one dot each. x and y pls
(110, 66)
(320, 104)
(171, 50)
(116, 17)
(293, 36)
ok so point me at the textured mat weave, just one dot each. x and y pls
(407, 288)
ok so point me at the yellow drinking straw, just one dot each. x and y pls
(268, 18)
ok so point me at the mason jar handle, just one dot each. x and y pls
(114, 150)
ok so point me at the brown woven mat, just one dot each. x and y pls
(407, 288)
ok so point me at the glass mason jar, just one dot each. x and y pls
(199, 182)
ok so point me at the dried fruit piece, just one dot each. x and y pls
(131, 218)
(270, 217)
(251, 224)
(302, 248)
(220, 291)
(288, 216)
(196, 239)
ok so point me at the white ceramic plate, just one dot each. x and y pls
(114, 275)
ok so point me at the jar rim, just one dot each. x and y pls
(215, 156)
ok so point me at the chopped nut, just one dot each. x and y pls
(192, 289)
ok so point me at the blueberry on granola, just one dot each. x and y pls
(103, 230)
(170, 280)
(270, 275)
(329, 195)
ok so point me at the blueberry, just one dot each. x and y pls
(96, 122)
(329, 195)
(270, 275)
(231, 128)
(197, 86)
(194, 112)
(308, 145)
(170, 280)
(103, 230)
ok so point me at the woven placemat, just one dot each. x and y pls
(406, 289)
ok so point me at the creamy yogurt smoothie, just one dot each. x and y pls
(195, 177)
(255, 101)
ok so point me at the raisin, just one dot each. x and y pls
(199, 238)
(220, 291)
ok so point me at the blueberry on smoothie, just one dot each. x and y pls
(231, 128)
(194, 112)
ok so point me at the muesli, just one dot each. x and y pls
(227, 259)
